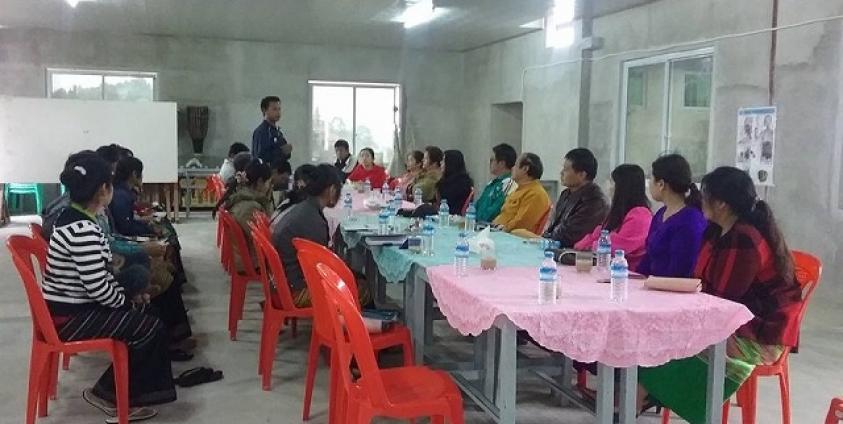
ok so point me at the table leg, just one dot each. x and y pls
(506, 374)
(416, 314)
(628, 395)
(188, 198)
(605, 405)
(716, 380)
(176, 193)
(566, 377)
(489, 344)
(428, 316)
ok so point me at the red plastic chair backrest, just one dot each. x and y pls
(808, 270)
(37, 230)
(539, 230)
(310, 254)
(235, 236)
(272, 270)
(262, 222)
(467, 202)
(352, 339)
(23, 249)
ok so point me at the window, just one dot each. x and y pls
(100, 85)
(365, 115)
(667, 108)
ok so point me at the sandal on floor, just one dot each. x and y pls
(197, 376)
(135, 414)
(101, 404)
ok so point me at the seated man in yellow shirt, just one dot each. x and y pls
(526, 206)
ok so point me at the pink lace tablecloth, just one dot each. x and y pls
(651, 328)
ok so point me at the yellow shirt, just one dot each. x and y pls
(524, 208)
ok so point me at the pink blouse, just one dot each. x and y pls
(631, 237)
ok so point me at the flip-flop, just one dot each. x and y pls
(197, 376)
(92, 399)
(135, 414)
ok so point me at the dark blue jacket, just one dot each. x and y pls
(267, 140)
(123, 210)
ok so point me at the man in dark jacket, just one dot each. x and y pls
(582, 206)
(268, 142)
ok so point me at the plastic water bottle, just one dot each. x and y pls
(397, 200)
(470, 218)
(367, 186)
(619, 285)
(347, 206)
(417, 197)
(604, 254)
(547, 280)
(387, 196)
(444, 214)
(461, 253)
(428, 233)
(383, 221)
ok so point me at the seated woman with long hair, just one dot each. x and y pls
(455, 185)
(366, 169)
(86, 301)
(413, 164)
(744, 259)
(629, 216)
(429, 176)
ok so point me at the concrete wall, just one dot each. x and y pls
(232, 76)
(807, 85)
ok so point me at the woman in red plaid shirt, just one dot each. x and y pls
(745, 259)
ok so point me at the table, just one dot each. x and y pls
(585, 326)
(189, 174)
(335, 215)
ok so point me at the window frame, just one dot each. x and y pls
(102, 74)
(666, 60)
(354, 85)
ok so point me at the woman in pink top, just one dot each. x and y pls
(629, 217)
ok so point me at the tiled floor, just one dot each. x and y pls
(816, 371)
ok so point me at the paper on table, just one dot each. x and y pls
(680, 285)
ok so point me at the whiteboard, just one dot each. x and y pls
(37, 135)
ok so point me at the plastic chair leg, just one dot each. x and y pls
(235, 305)
(36, 392)
(295, 326)
(120, 358)
(831, 417)
(665, 416)
(310, 376)
(747, 394)
(65, 361)
(268, 354)
(784, 385)
(54, 375)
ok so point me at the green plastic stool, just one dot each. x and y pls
(23, 190)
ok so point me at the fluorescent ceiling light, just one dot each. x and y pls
(537, 24)
(559, 26)
(419, 12)
(74, 3)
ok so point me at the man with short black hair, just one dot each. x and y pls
(345, 160)
(526, 206)
(268, 142)
(582, 206)
(491, 201)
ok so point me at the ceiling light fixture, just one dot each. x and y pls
(74, 3)
(560, 24)
(419, 12)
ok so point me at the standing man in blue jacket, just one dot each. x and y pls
(268, 142)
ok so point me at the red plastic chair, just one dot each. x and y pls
(467, 202)
(262, 223)
(835, 411)
(310, 254)
(239, 279)
(404, 393)
(278, 306)
(808, 272)
(539, 229)
(46, 345)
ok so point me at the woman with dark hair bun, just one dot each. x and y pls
(86, 302)
(629, 216)
(676, 230)
(253, 195)
(744, 259)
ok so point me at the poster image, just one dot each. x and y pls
(756, 142)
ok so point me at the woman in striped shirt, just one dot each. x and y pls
(86, 301)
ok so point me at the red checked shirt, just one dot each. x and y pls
(740, 266)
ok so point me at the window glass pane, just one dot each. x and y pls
(129, 88)
(644, 118)
(376, 118)
(332, 118)
(76, 86)
(690, 112)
